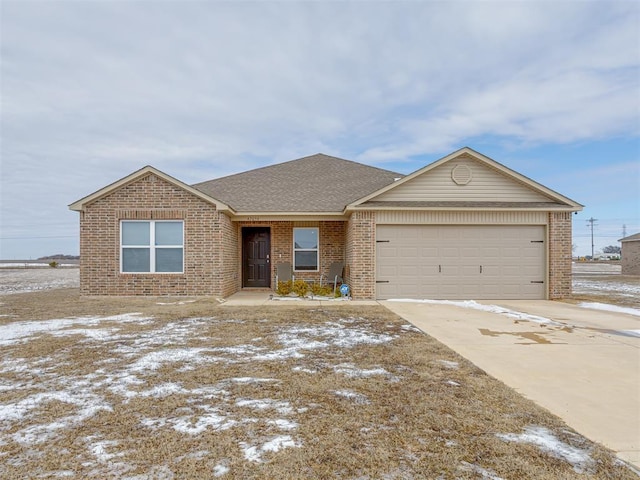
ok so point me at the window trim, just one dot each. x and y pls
(317, 249)
(152, 247)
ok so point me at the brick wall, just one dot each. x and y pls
(630, 258)
(227, 238)
(559, 255)
(361, 255)
(152, 198)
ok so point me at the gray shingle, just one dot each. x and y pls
(318, 183)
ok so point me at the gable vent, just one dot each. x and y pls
(461, 174)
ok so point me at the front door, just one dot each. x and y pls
(256, 249)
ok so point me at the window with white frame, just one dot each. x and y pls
(152, 246)
(305, 249)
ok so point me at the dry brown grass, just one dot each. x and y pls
(391, 403)
(621, 290)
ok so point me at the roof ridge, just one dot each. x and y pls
(253, 170)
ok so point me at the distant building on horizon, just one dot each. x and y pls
(630, 257)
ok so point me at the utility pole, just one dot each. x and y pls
(592, 221)
(624, 230)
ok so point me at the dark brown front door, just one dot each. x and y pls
(256, 249)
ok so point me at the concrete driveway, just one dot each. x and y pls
(582, 365)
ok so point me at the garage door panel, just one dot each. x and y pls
(490, 252)
(445, 261)
(388, 271)
(511, 270)
(408, 272)
(408, 252)
(449, 252)
(469, 271)
(470, 252)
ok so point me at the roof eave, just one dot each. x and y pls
(559, 208)
(299, 216)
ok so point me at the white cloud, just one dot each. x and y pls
(93, 91)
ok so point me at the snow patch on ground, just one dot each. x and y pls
(484, 308)
(220, 470)
(610, 308)
(410, 328)
(25, 280)
(449, 364)
(355, 397)
(589, 286)
(10, 333)
(483, 472)
(130, 371)
(547, 442)
(180, 302)
(352, 371)
(253, 453)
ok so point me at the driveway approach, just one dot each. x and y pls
(582, 365)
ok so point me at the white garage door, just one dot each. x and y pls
(460, 262)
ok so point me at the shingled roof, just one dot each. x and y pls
(318, 183)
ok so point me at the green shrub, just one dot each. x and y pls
(54, 264)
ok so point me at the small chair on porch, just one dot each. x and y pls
(284, 273)
(335, 275)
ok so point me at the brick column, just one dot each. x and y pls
(361, 255)
(559, 255)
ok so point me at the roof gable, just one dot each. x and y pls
(631, 238)
(315, 184)
(466, 178)
(80, 204)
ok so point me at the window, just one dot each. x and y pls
(151, 246)
(305, 249)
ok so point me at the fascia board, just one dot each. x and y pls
(79, 205)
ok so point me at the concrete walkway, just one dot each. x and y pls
(583, 367)
(260, 297)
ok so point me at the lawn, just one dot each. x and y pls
(149, 388)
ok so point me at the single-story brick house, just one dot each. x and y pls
(463, 227)
(630, 254)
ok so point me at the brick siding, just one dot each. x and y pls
(206, 265)
(559, 255)
(213, 247)
(361, 255)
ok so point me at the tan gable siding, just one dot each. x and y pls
(486, 184)
(149, 198)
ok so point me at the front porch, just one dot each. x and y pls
(265, 245)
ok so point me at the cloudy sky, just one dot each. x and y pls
(92, 91)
